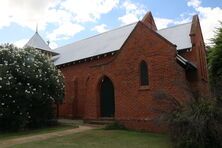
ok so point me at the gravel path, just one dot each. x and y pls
(11, 142)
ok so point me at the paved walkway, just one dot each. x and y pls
(11, 142)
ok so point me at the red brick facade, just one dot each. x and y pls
(137, 107)
(199, 79)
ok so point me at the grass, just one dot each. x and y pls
(101, 138)
(11, 135)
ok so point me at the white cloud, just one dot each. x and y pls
(88, 10)
(163, 22)
(209, 19)
(71, 13)
(65, 31)
(128, 18)
(133, 12)
(53, 45)
(21, 43)
(66, 15)
(25, 13)
(100, 28)
(182, 21)
(194, 3)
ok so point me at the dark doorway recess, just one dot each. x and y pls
(107, 98)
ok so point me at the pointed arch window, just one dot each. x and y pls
(144, 77)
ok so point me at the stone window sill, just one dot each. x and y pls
(146, 87)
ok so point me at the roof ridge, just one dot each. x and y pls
(120, 27)
(175, 26)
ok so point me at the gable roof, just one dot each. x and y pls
(100, 44)
(178, 35)
(37, 42)
(113, 40)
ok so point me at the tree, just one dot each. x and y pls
(215, 63)
(29, 86)
(197, 125)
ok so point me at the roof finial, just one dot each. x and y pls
(36, 28)
(48, 42)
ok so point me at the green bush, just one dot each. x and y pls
(214, 57)
(29, 85)
(197, 125)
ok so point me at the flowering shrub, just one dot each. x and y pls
(29, 85)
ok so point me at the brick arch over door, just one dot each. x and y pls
(106, 97)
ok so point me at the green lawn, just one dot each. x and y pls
(60, 127)
(103, 139)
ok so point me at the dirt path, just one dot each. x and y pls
(11, 142)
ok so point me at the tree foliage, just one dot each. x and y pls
(29, 85)
(215, 63)
(197, 125)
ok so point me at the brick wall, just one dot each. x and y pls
(199, 79)
(135, 106)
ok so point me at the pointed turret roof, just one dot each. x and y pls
(37, 42)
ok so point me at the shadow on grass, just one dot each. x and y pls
(30, 132)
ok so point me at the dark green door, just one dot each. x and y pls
(107, 98)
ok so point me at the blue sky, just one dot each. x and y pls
(65, 21)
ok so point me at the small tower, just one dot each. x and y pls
(37, 42)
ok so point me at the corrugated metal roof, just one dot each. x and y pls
(113, 40)
(103, 43)
(185, 63)
(178, 35)
(37, 42)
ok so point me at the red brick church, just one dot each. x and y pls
(133, 74)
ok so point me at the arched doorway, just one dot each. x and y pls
(107, 98)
